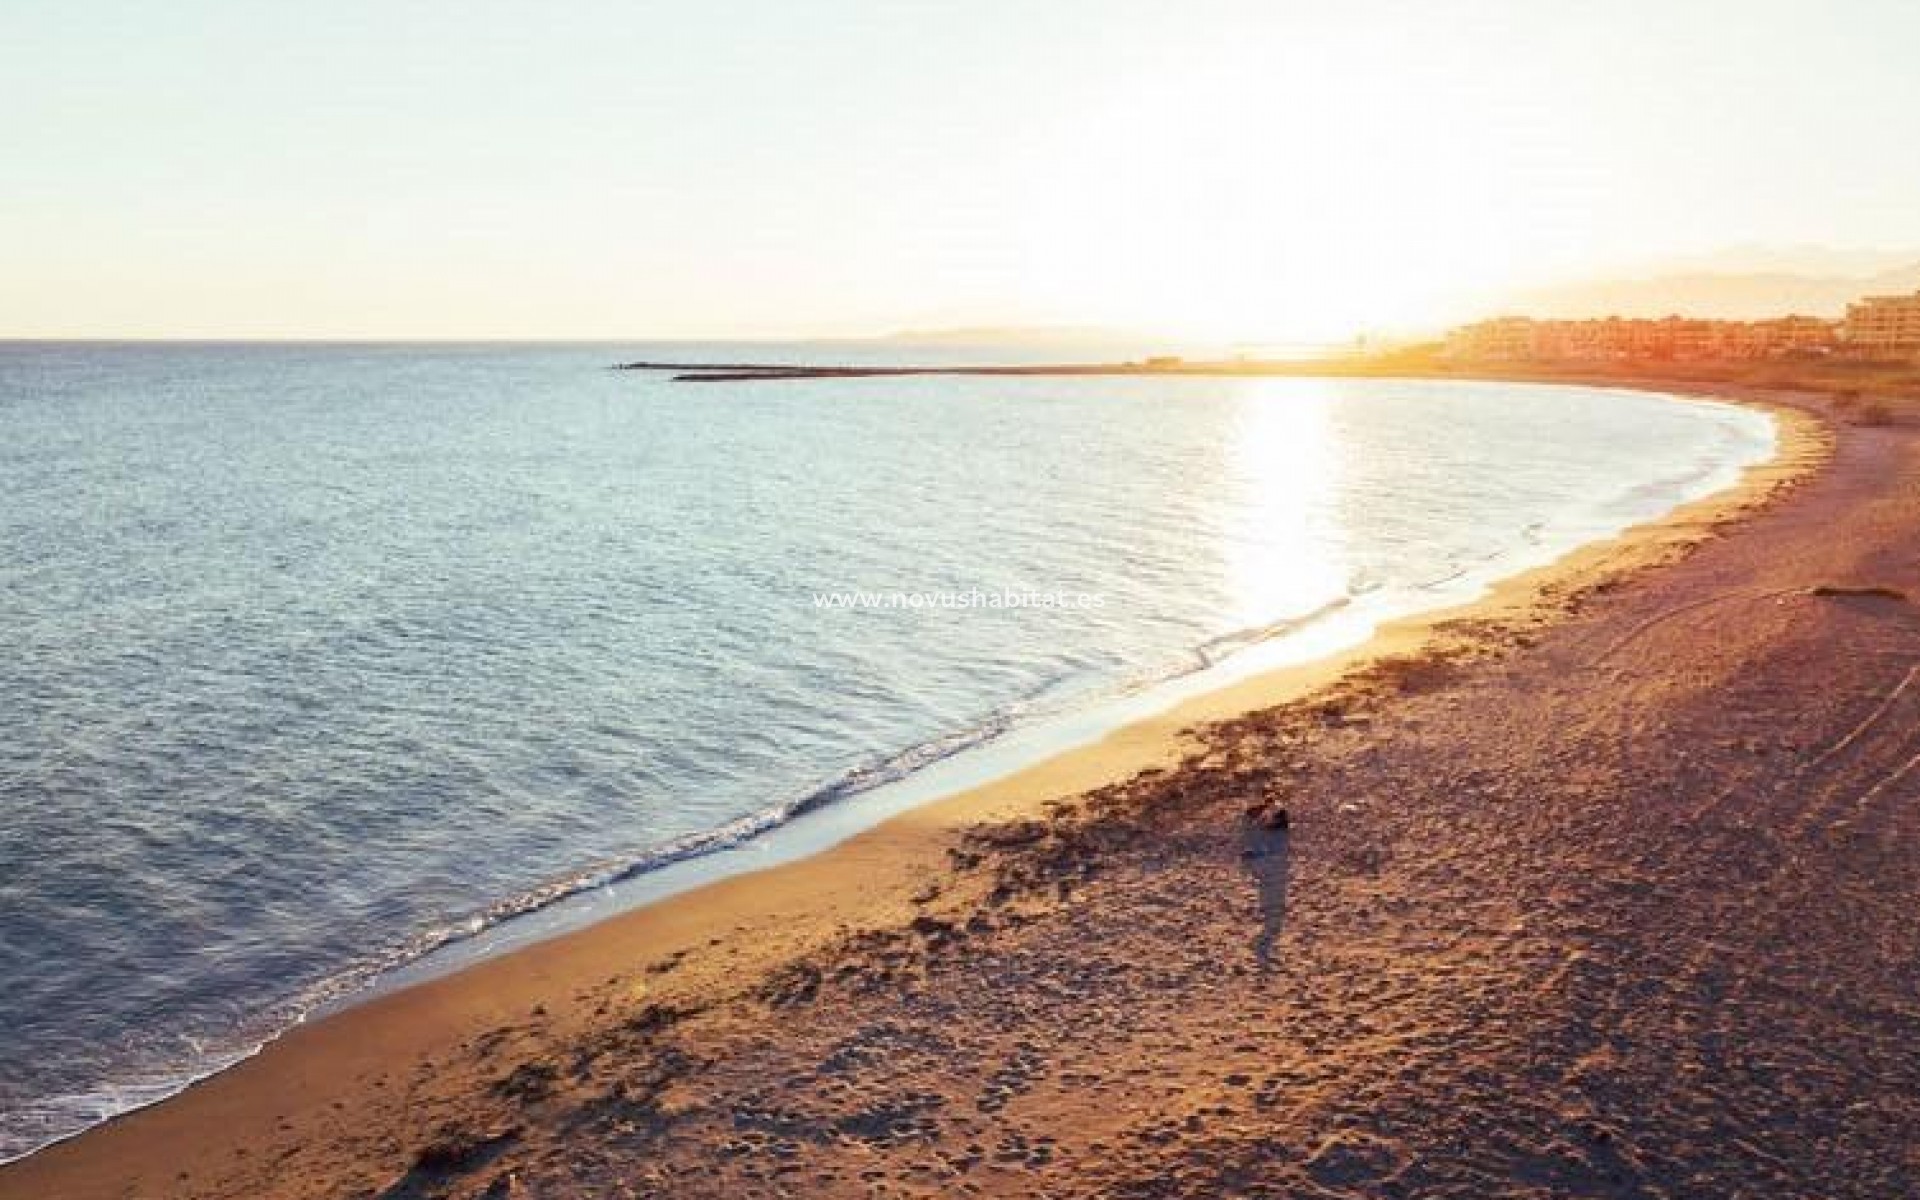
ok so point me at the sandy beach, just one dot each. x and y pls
(1599, 887)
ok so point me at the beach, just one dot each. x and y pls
(1597, 886)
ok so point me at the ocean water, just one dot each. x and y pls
(316, 658)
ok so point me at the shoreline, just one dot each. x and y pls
(749, 927)
(1302, 643)
(776, 840)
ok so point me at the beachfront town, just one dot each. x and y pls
(1876, 328)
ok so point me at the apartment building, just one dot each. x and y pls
(1619, 338)
(1883, 327)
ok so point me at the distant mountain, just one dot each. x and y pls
(1705, 287)
(1803, 259)
(1020, 335)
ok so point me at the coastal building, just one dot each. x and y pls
(1884, 326)
(1795, 335)
(1607, 339)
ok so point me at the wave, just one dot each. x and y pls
(57, 1118)
(866, 777)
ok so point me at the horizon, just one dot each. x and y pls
(1550, 307)
(1063, 338)
(1238, 173)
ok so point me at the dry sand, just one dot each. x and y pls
(1603, 887)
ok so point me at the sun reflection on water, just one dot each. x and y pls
(1286, 550)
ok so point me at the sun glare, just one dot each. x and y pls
(1288, 556)
(1263, 198)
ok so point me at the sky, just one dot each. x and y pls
(1233, 169)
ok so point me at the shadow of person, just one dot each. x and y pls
(1264, 853)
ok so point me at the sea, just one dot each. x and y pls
(324, 667)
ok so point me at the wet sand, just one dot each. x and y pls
(1600, 887)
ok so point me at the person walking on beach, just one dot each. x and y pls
(1263, 852)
